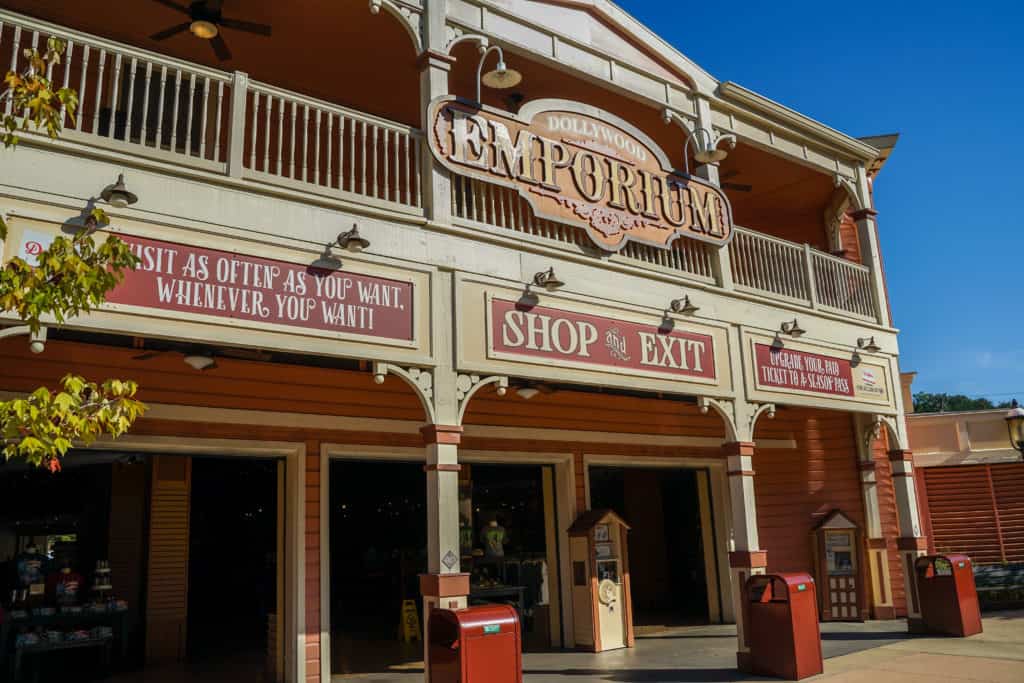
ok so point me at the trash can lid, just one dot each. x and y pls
(483, 615)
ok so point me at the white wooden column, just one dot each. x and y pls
(870, 252)
(721, 261)
(746, 557)
(435, 65)
(876, 554)
(912, 544)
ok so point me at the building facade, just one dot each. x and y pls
(620, 283)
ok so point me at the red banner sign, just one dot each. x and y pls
(566, 336)
(177, 277)
(811, 372)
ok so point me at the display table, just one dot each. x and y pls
(85, 620)
(512, 595)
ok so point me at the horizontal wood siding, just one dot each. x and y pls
(796, 489)
(977, 510)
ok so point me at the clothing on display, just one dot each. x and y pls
(494, 538)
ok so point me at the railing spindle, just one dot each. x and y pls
(188, 118)
(81, 87)
(291, 143)
(316, 149)
(217, 121)
(174, 116)
(131, 100)
(99, 93)
(205, 113)
(114, 94)
(279, 169)
(266, 133)
(305, 140)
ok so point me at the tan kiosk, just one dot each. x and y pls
(601, 601)
(837, 563)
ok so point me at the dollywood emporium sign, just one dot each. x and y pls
(579, 165)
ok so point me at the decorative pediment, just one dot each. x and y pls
(837, 520)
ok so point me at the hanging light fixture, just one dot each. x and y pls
(526, 393)
(117, 194)
(500, 77)
(201, 28)
(200, 361)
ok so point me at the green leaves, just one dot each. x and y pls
(42, 427)
(72, 276)
(34, 100)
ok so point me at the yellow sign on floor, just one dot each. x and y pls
(410, 625)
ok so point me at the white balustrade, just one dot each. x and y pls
(320, 147)
(502, 207)
(148, 105)
(130, 100)
(843, 285)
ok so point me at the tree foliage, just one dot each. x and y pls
(925, 402)
(72, 276)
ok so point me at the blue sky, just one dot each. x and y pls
(947, 76)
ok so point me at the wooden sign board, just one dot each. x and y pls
(582, 166)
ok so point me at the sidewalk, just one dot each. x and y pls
(995, 655)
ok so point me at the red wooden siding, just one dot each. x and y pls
(977, 510)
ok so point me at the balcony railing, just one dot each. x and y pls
(500, 207)
(798, 273)
(145, 104)
(760, 264)
(150, 106)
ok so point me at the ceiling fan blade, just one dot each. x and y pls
(731, 173)
(172, 31)
(247, 26)
(175, 6)
(213, 5)
(220, 47)
(147, 355)
(738, 187)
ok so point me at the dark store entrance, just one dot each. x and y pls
(378, 540)
(126, 567)
(666, 550)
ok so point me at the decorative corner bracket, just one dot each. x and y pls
(759, 410)
(848, 186)
(670, 117)
(410, 20)
(456, 37)
(740, 418)
(467, 385)
(726, 410)
(421, 381)
(873, 432)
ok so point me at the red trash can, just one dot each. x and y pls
(947, 595)
(782, 626)
(475, 645)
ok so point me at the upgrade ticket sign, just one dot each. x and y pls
(793, 368)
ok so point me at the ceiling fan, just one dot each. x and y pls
(205, 21)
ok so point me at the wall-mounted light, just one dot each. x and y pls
(684, 306)
(118, 195)
(200, 361)
(793, 329)
(868, 344)
(36, 340)
(548, 280)
(526, 393)
(352, 240)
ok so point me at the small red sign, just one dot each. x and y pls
(811, 372)
(539, 332)
(178, 277)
